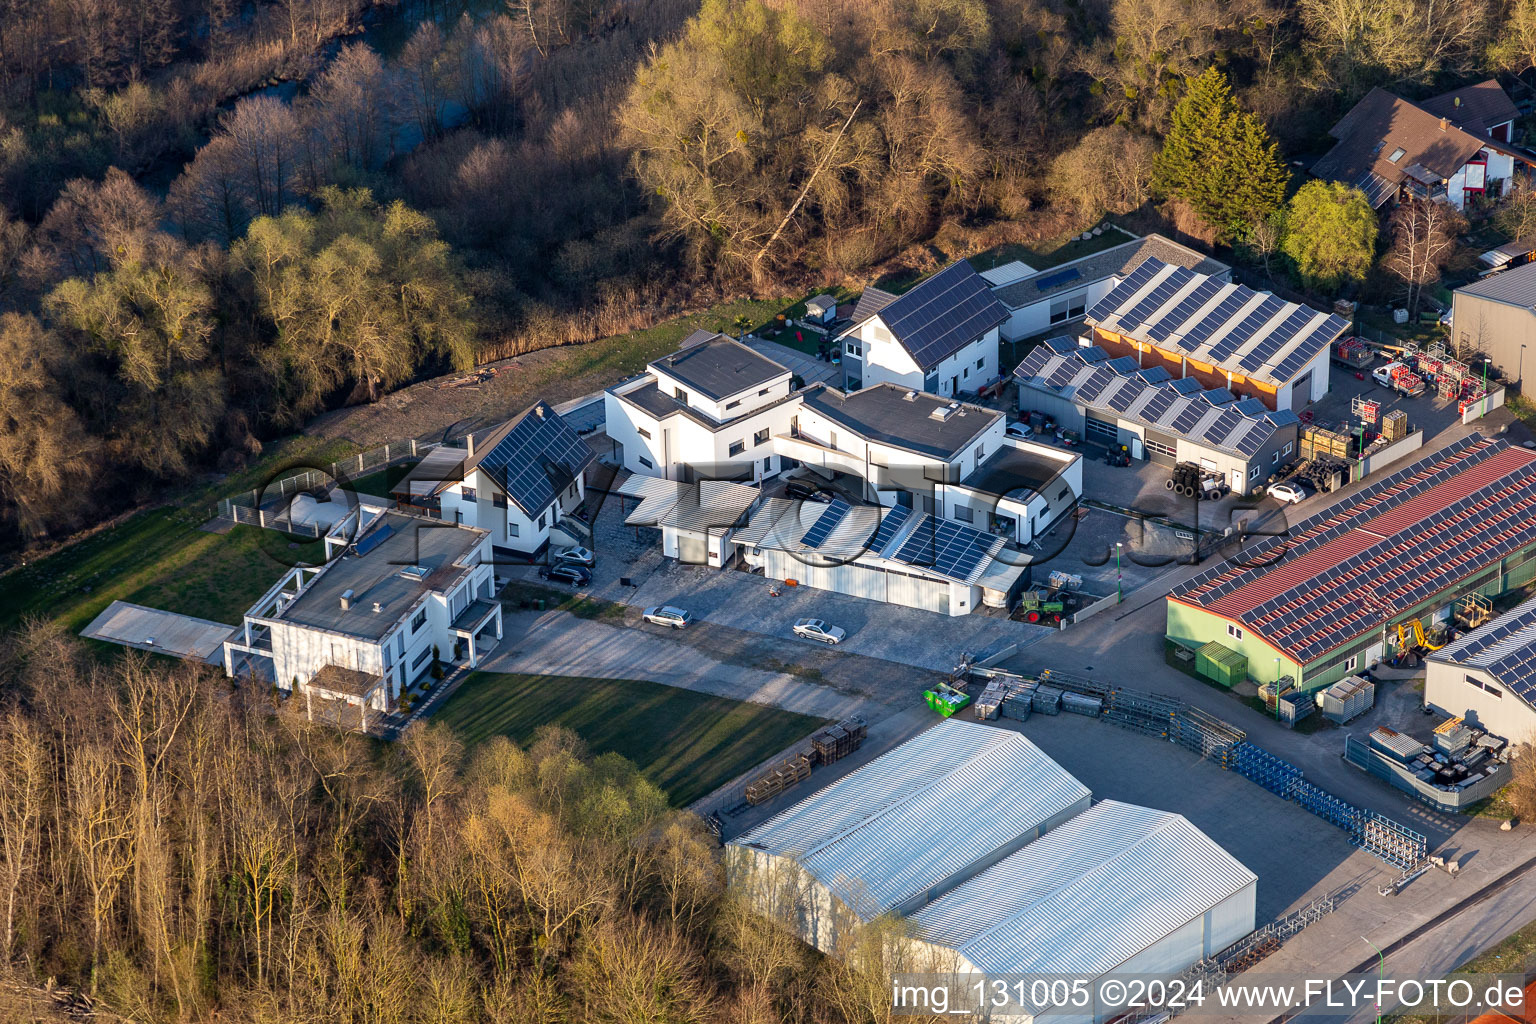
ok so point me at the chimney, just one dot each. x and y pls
(1444, 124)
(469, 441)
(346, 599)
(538, 411)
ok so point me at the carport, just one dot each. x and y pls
(150, 629)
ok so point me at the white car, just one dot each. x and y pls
(574, 556)
(667, 615)
(1020, 430)
(1291, 494)
(818, 629)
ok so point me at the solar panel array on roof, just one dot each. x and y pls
(822, 528)
(1061, 343)
(1092, 354)
(1243, 430)
(1186, 386)
(944, 314)
(537, 459)
(1217, 396)
(1189, 320)
(893, 521)
(1384, 550)
(1124, 364)
(948, 548)
(1155, 374)
(1057, 279)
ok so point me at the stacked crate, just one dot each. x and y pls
(782, 776)
(1394, 425)
(838, 741)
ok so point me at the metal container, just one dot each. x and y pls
(1348, 699)
(1395, 745)
(1046, 700)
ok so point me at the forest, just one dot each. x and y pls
(221, 217)
(175, 850)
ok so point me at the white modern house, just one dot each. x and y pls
(367, 623)
(1488, 676)
(899, 446)
(517, 482)
(940, 337)
(707, 411)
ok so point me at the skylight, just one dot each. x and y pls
(1397, 154)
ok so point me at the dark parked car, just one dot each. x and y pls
(575, 575)
(805, 492)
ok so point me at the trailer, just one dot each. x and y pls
(1400, 378)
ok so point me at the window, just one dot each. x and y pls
(389, 658)
(1253, 472)
(761, 437)
(1287, 449)
(855, 350)
(1161, 448)
(1077, 305)
(571, 492)
(761, 393)
(680, 395)
(418, 620)
(400, 644)
(514, 530)
(965, 514)
(499, 500)
(733, 405)
(647, 463)
(643, 433)
(423, 655)
(1059, 311)
(1492, 690)
(1274, 460)
(1397, 154)
(981, 450)
(1234, 632)
(965, 374)
(736, 448)
(1063, 495)
(468, 493)
(541, 520)
(1351, 663)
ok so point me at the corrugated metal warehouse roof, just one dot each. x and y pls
(1394, 544)
(1506, 647)
(1086, 897)
(1232, 327)
(1516, 287)
(1240, 428)
(920, 814)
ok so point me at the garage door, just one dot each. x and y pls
(1102, 432)
(692, 549)
(929, 595)
(1301, 390)
(1161, 449)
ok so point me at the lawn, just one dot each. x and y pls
(687, 743)
(379, 483)
(1051, 252)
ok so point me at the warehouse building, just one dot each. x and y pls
(894, 555)
(1488, 677)
(1119, 889)
(1057, 296)
(1326, 599)
(1497, 317)
(993, 853)
(1113, 402)
(1223, 335)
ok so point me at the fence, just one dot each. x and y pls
(1483, 406)
(248, 507)
(1169, 718)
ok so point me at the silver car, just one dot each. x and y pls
(819, 629)
(574, 556)
(667, 615)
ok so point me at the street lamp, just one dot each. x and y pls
(1119, 594)
(1277, 688)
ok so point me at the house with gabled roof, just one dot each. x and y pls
(1447, 148)
(516, 482)
(940, 337)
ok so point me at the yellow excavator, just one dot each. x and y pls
(1411, 633)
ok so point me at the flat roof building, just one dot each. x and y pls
(1321, 602)
(1488, 676)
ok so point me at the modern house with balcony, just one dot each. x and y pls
(707, 411)
(351, 634)
(519, 483)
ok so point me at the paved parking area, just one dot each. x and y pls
(807, 366)
(150, 629)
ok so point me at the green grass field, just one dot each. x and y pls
(687, 743)
(379, 483)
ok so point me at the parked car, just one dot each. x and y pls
(1020, 430)
(818, 629)
(574, 556)
(805, 492)
(668, 615)
(1291, 494)
(575, 575)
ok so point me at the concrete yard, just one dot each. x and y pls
(150, 629)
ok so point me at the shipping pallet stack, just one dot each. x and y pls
(838, 741)
(784, 775)
(990, 701)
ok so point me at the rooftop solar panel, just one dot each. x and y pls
(1277, 339)
(1129, 390)
(1176, 318)
(1090, 389)
(1124, 364)
(820, 530)
(1155, 374)
(1185, 421)
(1154, 300)
(537, 459)
(1123, 292)
(1249, 325)
(1158, 405)
(1092, 354)
(1200, 332)
(1185, 386)
(890, 525)
(943, 314)
(948, 548)
(1055, 280)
